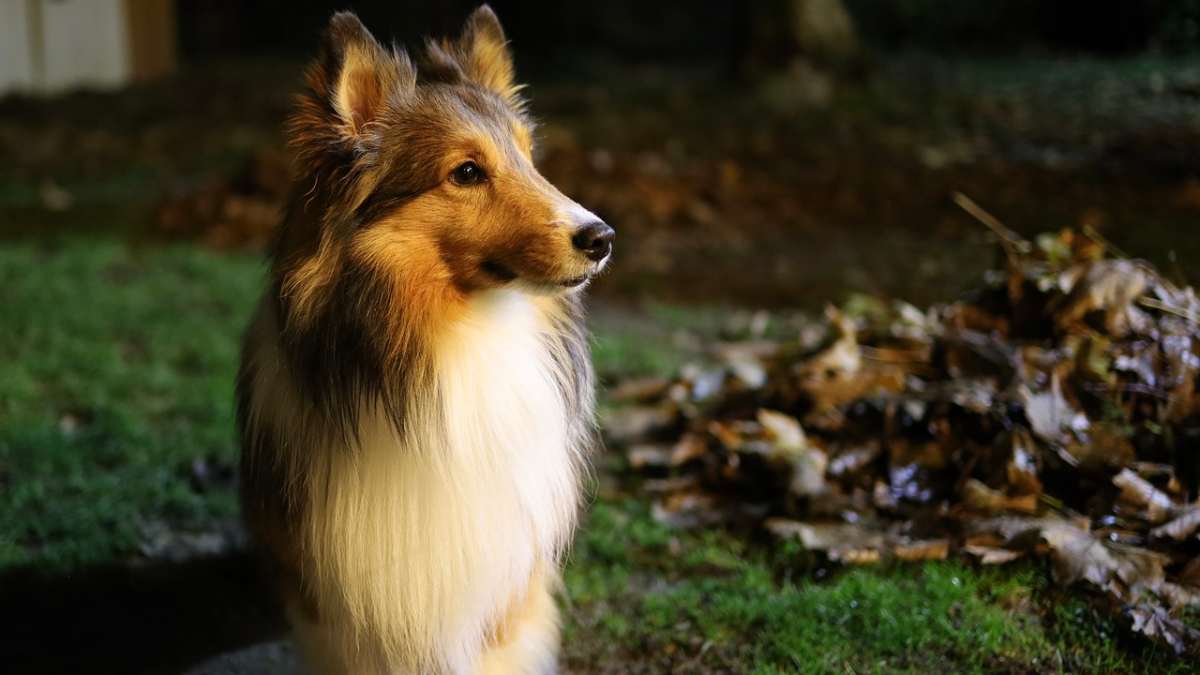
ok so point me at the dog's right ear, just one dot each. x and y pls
(351, 85)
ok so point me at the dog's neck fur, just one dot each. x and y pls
(422, 535)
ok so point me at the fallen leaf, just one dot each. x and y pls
(842, 542)
(980, 497)
(644, 455)
(633, 423)
(808, 461)
(990, 555)
(1181, 528)
(1157, 623)
(1150, 503)
(687, 510)
(1078, 554)
(1021, 470)
(1050, 416)
(932, 549)
(1110, 287)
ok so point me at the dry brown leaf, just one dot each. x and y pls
(687, 510)
(932, 549)
(1157, 623)
(1104, 445)
(855, 556)
(1078, 554)
(1050, 416)
(689, 447)
(639, 390)
(644, 455)
(991, 555)
(626, 425)
(733, 434)
(839, 375)
(1151, 504)
(783, 431)
(808, 461)
(842, 542)
(1111, 287)
(852, 460)
(1021, 471)
(1182, 527)
(1190, 575)
(670, 485)
(1178, 596)
(980, 497)
(745, 362)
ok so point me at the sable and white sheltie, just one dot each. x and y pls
(415, 397)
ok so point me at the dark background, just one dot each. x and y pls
(679, 31)
(709, 133)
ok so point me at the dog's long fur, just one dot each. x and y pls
(415, 398)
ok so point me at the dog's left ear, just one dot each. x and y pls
(360, 76)
(484, 54)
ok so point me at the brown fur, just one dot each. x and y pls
(380, 256)
(386, 166)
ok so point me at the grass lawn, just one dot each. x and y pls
(116, 421)
(114, 390)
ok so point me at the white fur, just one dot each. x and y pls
(415, 546)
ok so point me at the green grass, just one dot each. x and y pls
(631, 354)
(710, 602)
(118, 376)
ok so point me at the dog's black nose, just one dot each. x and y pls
(595, 240)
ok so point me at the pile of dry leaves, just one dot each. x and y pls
(230, 211)
(1053, 413)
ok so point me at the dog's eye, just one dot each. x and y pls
(468, 173)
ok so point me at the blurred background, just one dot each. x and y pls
(783, 133)
(776, 155)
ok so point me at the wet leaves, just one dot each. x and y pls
(1053, 413)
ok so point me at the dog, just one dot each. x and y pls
(415, 400)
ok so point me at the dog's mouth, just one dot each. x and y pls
(505, 274)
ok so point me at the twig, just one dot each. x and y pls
(1091, 233)
(1164, 307)
(1052, 502)
(876, 354)
(1013, 242)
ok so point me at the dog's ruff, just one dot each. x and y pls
(428, 539)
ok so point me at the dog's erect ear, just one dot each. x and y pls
(355, 78)
(484, 54)
(358, 88)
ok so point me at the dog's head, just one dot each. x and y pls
(423, 167)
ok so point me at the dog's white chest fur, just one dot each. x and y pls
(430, 538)
(504, 418)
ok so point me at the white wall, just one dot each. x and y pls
(85, 44)
(16, 52)
(49, 46)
